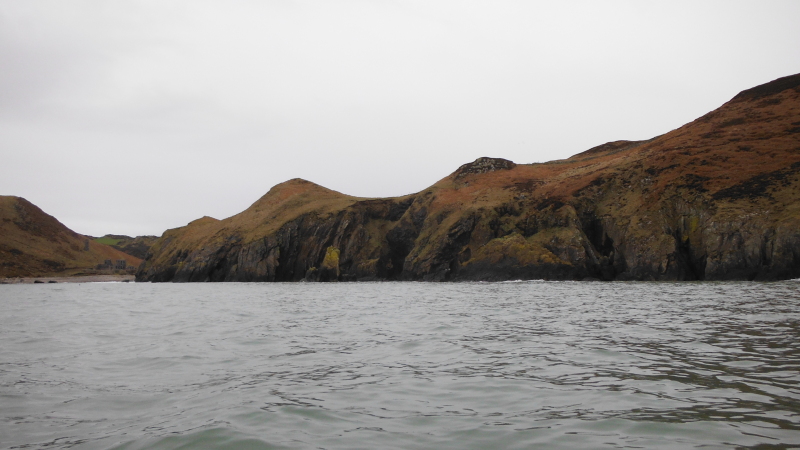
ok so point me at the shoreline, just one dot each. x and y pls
(75, 279)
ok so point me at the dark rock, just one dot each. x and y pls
(483, 165)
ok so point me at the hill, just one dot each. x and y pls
(35, 244)
(135, 246)
(716, 199)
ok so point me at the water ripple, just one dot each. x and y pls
(400, 365)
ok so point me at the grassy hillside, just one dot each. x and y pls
(135, 246)
(33, 243)
(107, 240)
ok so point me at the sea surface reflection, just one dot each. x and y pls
(557, 365)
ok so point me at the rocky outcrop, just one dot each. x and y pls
(717, 199)
(483, 165)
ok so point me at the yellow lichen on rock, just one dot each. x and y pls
(331, 261)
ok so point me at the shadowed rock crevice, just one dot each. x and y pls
(690, 266)
(400, 242)
(608, 260)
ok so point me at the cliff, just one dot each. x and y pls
(716, 199)
(35, 244)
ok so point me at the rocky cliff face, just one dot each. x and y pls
(716, 199)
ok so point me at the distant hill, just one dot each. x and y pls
(135, 246)
(33, 243)
(716, 199)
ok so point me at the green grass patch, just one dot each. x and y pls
(107, 240)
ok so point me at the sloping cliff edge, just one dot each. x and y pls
(717, 199)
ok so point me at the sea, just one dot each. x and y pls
(385, 365)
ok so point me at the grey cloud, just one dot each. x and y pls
(168, 111)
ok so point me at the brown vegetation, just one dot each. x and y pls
(718, 198)
(35, 244)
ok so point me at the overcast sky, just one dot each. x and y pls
(134, 117)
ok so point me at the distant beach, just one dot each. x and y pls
(75, 279)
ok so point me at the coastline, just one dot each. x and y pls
(75, 279)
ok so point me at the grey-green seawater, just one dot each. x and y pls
(556, 365)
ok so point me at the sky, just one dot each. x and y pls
(139, 116)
